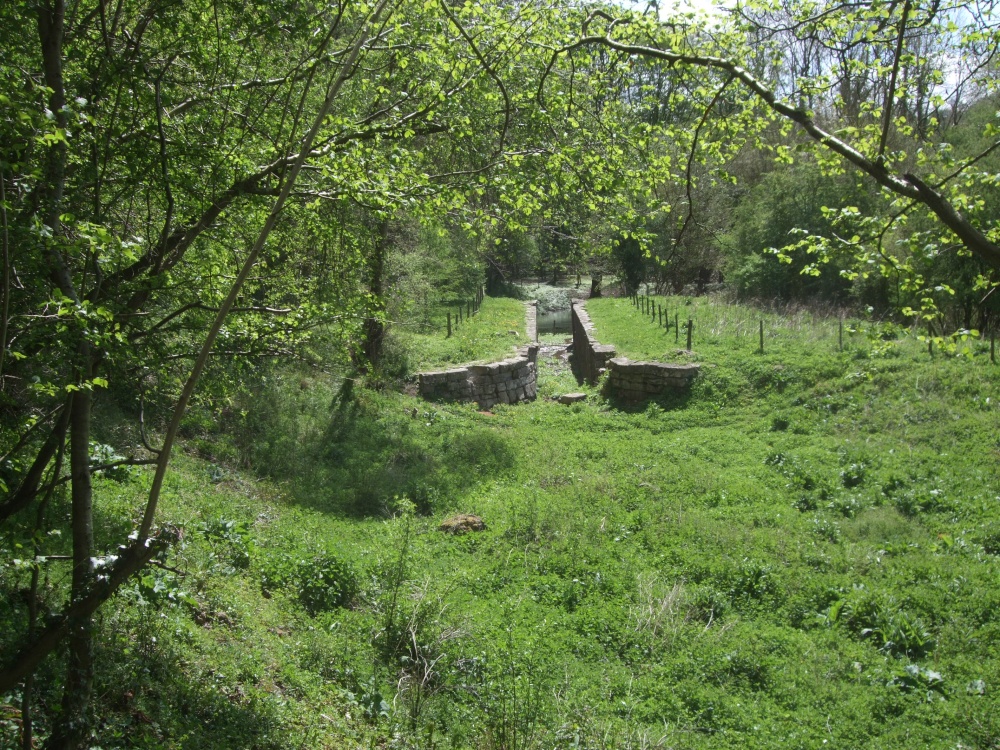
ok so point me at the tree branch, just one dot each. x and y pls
(489, 70)
(888, 106)
(131, 560)
(28, 488)
(307, 145)
(908, 186)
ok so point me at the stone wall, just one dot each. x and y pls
(506, 382)
(590, 357)
(627, 380)
(637, 381)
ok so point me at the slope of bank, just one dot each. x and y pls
(799, 552)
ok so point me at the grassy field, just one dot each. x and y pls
(801, 552)
(493, 333)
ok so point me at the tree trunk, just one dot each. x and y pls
(494, 279)
(72, 730)
(596, 279)
(371, 347)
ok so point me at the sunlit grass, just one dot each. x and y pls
(751, 565)
(494, 332)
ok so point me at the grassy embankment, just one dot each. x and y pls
(799, 553)
(491, 334)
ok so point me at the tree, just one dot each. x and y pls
(81, 287)
(152, 159)
(921, 179)
(169, 169)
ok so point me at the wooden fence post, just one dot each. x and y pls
(449, 324)
(762, 337)
(690, 332)
(677, 329)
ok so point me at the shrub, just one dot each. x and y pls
(326, 582)
(233, 537)
(322, 582)
(881, 619)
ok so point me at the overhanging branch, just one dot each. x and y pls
(907, 186)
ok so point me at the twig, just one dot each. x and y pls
(489, 70)
(891, 94)
(690, 160)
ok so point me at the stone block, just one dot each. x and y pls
(484, 370)
(462, 524)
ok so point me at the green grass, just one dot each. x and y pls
(756, 564)
(493, 333)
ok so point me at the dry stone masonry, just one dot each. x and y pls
(627, 380)
(637, 381)
(506, 382)
(590, 356)
(509, 381)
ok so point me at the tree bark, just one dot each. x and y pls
(72, 729)
(26, 491)
(374, 327)
(596, 279)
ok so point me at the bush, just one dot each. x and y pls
(326, 582)
(322, 582)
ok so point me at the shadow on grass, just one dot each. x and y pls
(668, 401)
(576, 366)
(147, 697)
(366, 449)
